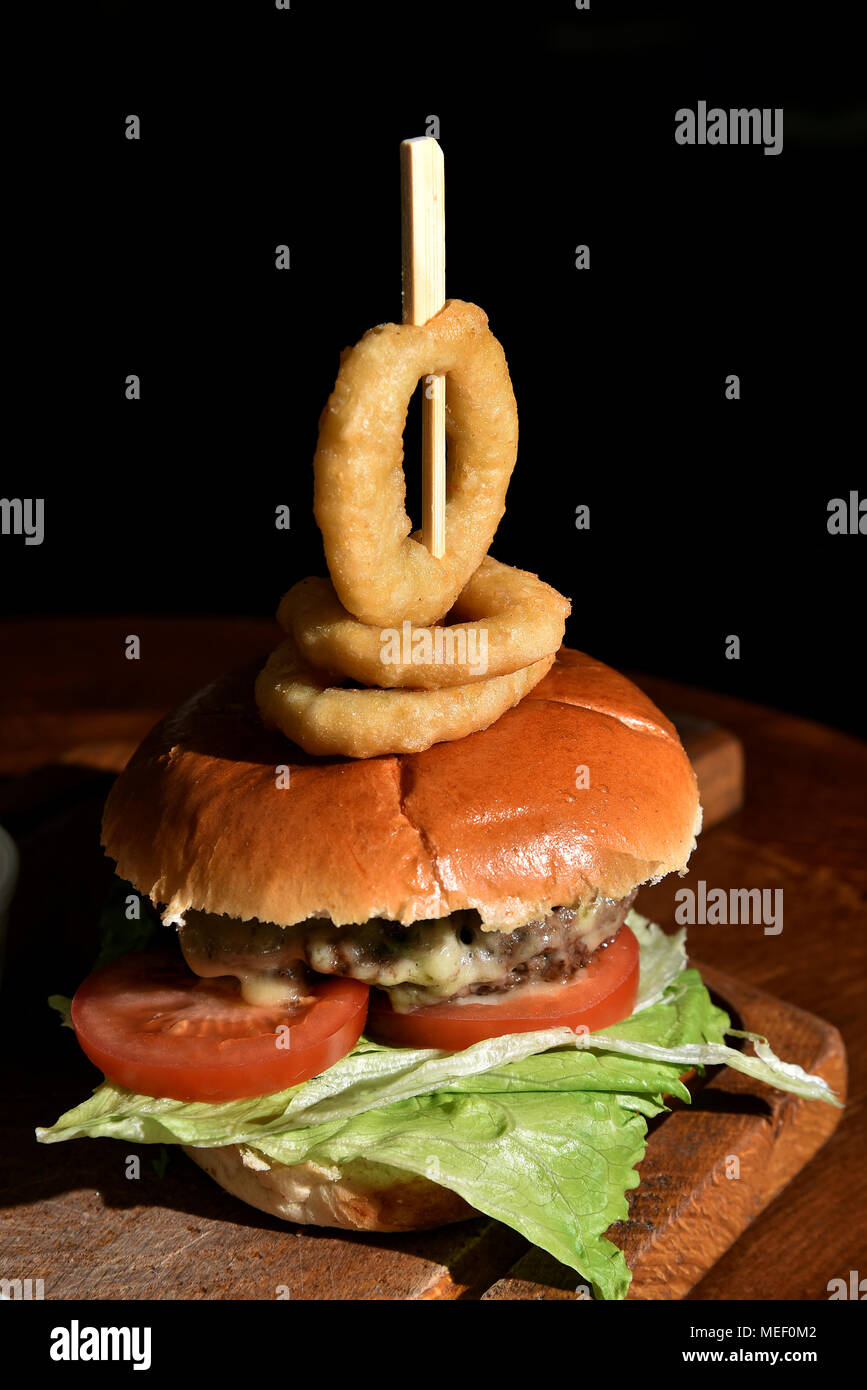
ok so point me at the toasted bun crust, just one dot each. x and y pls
(358, 1196)
(498, 821)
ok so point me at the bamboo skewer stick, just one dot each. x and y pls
(424, 293)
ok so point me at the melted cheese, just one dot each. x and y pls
(419, 964)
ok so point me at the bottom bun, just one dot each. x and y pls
(357, 1196)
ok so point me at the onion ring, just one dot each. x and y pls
(381, 574)
(294, 697)
(512, 619)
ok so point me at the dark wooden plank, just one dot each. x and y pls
(717, 757)
(71, 1216)
(711, 1167)
(69, 683)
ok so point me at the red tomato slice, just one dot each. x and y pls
(150, 1024)
(604, 993)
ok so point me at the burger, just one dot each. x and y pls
(386, 994)
(373, 960)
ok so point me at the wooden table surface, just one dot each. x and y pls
(71, 707)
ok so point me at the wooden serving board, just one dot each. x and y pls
(89, 1231)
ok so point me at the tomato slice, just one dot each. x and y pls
(604, 993)
(153, 1026)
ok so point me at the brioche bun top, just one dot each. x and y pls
(499, 821)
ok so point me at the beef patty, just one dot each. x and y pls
(425, 963)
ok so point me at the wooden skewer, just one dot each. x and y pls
(424, 293)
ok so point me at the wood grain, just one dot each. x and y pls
(423, 228)
(717, 757)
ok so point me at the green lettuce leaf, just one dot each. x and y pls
(662, 958)
(63, 1006)
(540, 1130)
(121, 935)
(554, 1166)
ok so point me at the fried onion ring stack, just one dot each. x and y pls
(379, 621)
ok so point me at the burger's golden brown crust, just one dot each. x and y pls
(358, 1196)
(497, 821)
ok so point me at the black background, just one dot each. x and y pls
(259, 127)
